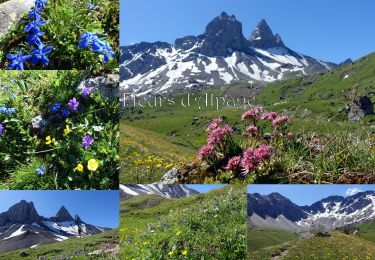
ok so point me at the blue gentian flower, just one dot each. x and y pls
(13, 95)
(10, 111)
(34, 38)
(65, 112)
(16, 61)
(105, 48)
(5, 89)
(34, 25)
(41, 171)
(41, 3)
(35, 13)
(87, 39)
(39, 55)
(55, 108)
(91, 6)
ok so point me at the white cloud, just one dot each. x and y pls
(352, 191)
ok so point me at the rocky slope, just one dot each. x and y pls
(164, 190)
(275, 210)
(22, 227)
(219, 56)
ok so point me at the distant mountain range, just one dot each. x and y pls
(219, 56)
(277, 211)
(22, 227)
(164, 190)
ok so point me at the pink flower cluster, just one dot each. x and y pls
(269, 116)
(253, 113)
(279, 120)
(215, 124)
(218, 135)
(251, 129)
(250, 160)
(206, 151)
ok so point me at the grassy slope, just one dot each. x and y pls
(367, 231)
(338, 246)
(218, 216)
(68, 247)
(259, 238)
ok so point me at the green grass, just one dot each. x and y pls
(69, 247)
(258, 238)
(338, 246)
(367, 231)
(203, 226)
(312, 104)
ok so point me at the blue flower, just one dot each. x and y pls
(40, 3)
(5, 89)
(13, 95)
(87, 39)
(34, 25)
(39, 54)
(35, 13)
(41, 171)
(55, 108)
(65, 112)
(91, 6)
(34, 38)
(16, 61)
(105, 48)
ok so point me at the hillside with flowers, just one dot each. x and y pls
(101, 246)
(301, 130)
(202, 226)
(63, 35)
(58, 130)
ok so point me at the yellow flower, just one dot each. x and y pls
(184, 252)
(158, 165)
(79, 167)
(178, 233)
(92, 165)
(55, 143)
(67, 130)
(48, 140)
(170, 253)
(168, 166)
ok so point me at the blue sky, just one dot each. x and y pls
(99, 208)
(307, 194)
(202, 188)
(331, 30)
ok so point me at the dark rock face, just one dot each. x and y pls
(360, 107)
(273, 205)
(63, 215)
(22, 213)
(263, 38)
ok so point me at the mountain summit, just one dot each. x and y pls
(263, 38)
(22, 227)
(221, 55)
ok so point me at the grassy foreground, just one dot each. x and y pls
(72, 248)
(203, 226)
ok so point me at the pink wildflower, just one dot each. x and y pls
(253, 113)
(263, 152)
(217, 135)
(269, 116)
(215, 124)
(290, 135)
(206, 151)
(251, 129)
(234, 163)
(279, 120)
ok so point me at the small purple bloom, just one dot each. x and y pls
(34, 38)
(17, 60)
(73, 104)
(34, 25)
(1, 129)
(87, 141)
(86, 91)
(35, 13)
(41, 171)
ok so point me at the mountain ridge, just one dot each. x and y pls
(22, 227)
(217, 57)
(330, 212)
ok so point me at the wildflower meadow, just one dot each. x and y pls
(54, 135)
(61, 34)
(203, 226)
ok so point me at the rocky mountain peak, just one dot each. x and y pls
(63, 215)
(77, 220)
(23, 212)
(263, 38)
